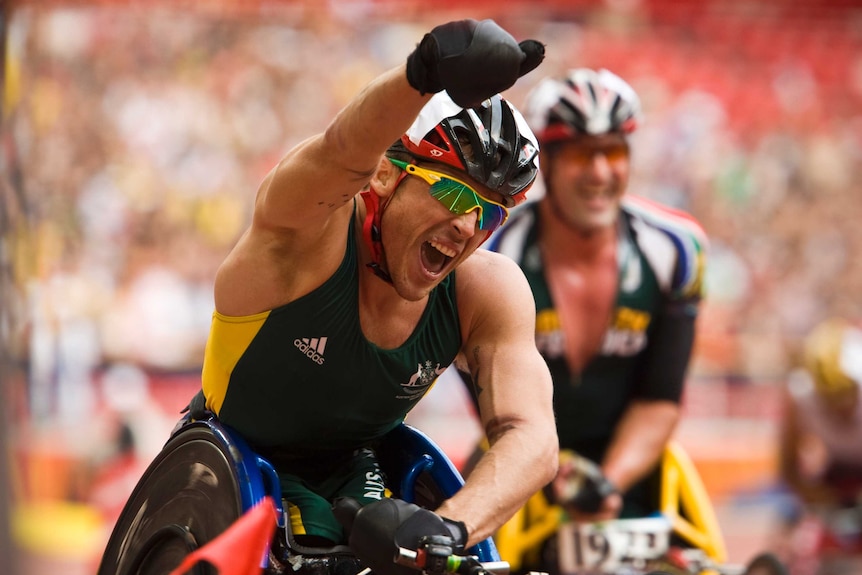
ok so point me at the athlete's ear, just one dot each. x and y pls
(386, 178)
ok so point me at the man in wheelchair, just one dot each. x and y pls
(617, 282)
(338, 308)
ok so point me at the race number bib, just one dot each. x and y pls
(606, 546)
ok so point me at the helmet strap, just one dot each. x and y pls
(371, 233)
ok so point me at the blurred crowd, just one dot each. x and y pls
(134, 140)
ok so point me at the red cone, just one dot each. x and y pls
(241, 548)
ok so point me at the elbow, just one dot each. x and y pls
(551, 461)
(547, 461)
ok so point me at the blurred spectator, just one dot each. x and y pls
(821, 443)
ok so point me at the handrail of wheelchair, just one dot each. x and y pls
(408, 482)
(256, 477)
(273, 486)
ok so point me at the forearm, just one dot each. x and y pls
(373, 120)
(639, 441)
(326, 171)
(520, 461)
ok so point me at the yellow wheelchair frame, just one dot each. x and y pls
(683, 501)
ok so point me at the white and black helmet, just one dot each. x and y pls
(491, 142)
(584, 101)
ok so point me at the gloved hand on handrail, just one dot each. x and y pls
(377, 530)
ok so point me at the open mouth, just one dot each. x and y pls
(435, 257)
(596, 199)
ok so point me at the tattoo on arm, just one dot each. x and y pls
(477, 389)
(498, 426)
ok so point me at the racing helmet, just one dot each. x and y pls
(491, 143)
(583, 101)
(832, 355)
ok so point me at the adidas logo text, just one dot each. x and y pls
(312, 348)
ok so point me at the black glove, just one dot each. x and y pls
(583, 486)
(595, 489)
(377, 530)
(471, 60)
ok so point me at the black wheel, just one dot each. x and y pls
(186, 497)
(766, 564)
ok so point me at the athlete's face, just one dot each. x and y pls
(422, 239)
(586, 178)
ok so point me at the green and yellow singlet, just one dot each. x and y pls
(303, 379)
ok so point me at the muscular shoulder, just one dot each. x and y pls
(490, 283)
(271, 266)
(487, 270)
(673, 242)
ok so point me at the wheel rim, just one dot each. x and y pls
(191, 486)
(163, 551)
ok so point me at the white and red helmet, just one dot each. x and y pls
(584, 101)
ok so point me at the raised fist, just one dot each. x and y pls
(471, 60)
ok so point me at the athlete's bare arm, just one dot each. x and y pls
(639, 441)
(515, 395)
(326, 171)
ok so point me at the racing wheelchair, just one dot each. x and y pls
(682, 538)
(206, 476)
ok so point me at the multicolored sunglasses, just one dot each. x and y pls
(458, 197)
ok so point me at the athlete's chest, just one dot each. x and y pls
(390, 326)
(591, 306)
(584, 293)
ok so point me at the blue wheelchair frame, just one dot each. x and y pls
(409, 452)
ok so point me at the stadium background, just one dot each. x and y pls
(134, 135)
